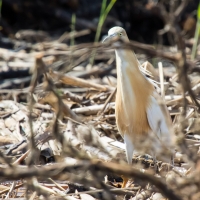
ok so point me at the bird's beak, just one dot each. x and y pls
(106, 39)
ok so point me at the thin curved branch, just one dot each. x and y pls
(59, 168)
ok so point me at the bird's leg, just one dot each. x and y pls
(125, 180)
(129, 154)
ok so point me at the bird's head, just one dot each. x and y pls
(116, 33)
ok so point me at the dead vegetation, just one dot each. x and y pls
(58, 137)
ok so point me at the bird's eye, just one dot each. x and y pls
(120, 34)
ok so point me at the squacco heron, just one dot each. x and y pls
(141, 117)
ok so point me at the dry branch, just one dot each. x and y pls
(59, 168)
(78, 82)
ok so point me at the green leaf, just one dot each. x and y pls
(196, 36)
(0, 7)
(73, 25)
(103, 14)
(198, 12)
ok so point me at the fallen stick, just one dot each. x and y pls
(91, 110)
(78, 82)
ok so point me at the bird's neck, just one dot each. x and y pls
(127, 60)
(129, 75)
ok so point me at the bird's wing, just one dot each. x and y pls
(159, 118)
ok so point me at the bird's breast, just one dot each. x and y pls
(132, 100)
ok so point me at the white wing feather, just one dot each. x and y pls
(129, 148)
(158, 121)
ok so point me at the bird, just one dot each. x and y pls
(141, 117)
